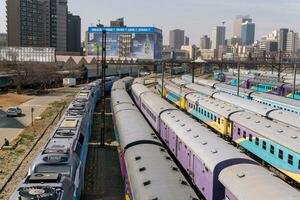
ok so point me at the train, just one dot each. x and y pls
(146, 166)
(263, 84)
(288, 118)
(271, 142)
(57, 173)
(216, 168)
(275, 101)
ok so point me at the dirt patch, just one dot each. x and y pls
(12, 99)
(9, 159)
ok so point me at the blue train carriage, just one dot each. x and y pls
(176, 95)
(213, 112)
(273, 143)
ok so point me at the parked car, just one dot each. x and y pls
(14, 112)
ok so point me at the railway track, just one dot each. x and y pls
(103, 179)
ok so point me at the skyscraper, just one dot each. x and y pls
(186, 40)
(37, 23)
(282, 39)
(218, 37)
(247, 33)
(292, 42)
(238, 24)
(74, 33)
(205, 42)
(176, 38)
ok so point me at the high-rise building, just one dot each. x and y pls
(218, 37)
(37, 23)
(74, 33)
(282, 39)
(271, 46)
(248, 33)
(176, 38)
(238, 24)
(292, 42)
(3, 39)
(205, 42)
(186, 40)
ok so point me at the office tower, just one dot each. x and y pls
(218, 37)
(186, 40)
(205, 42)
(37, 23)
(271, 46)
(292, 42)
(248, 33)
(238, 24)
(176, 38)
(74, 33)
(282, 39)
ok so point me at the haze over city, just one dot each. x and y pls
(196, 17)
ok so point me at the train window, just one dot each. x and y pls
(280, 154)
(212, 117)
(208, 114)
(204, 112)
(81, 139)
(250, 138)
(290, 159)
(244, 134)
(299, 164)
(218, 120)
(215, 119)
(239, 131)
(264, 145)
(257, 141)
(272, 149)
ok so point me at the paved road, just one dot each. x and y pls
(12, 127)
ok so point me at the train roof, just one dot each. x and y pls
(179, 81)
(223, 86)
(214, 105)
(201, 89)
(139, 89)
(289, 118)
(140, 80)
(177, 90)
(155, 103)
(154, 175)
(275, 98)
(288, 137)
(248, 105)
(206, 145)
(120, 96)
(200, 81)
(249, 182)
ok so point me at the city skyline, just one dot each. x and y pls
(195, 16)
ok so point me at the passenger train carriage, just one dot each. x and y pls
(148, 169)
(58, 171)
(213, 165)
(274, 143)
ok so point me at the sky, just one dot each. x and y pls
(196, 17)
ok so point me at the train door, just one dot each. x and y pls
(191, 164)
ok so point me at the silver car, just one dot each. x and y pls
(14, 112)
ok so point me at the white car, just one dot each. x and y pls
(14, 112)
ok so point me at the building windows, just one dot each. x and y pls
(250, 138)
(264, 145)
(290, 159)
(280, 154)
(272, 149)
(257, 141)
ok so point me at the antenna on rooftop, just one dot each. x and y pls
(223, 23)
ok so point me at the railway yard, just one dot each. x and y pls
(175, 138)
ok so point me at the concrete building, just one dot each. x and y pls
(292, 42)
(282, 39)
(205, 42)
(176, 38)
(37, 23)
(191, 49)
(209, 54)
(117, 23)
(74, 33)
(186, 40)
(238, 24)
(175, 54)
(234, 41)
(248, 33)
(3, 39)
(218, 37)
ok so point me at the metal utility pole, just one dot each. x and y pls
(103, 87)
(193, 72)
(98, 60)
(279, 66)
(238, 81)
(294, 82)
(162, 79)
